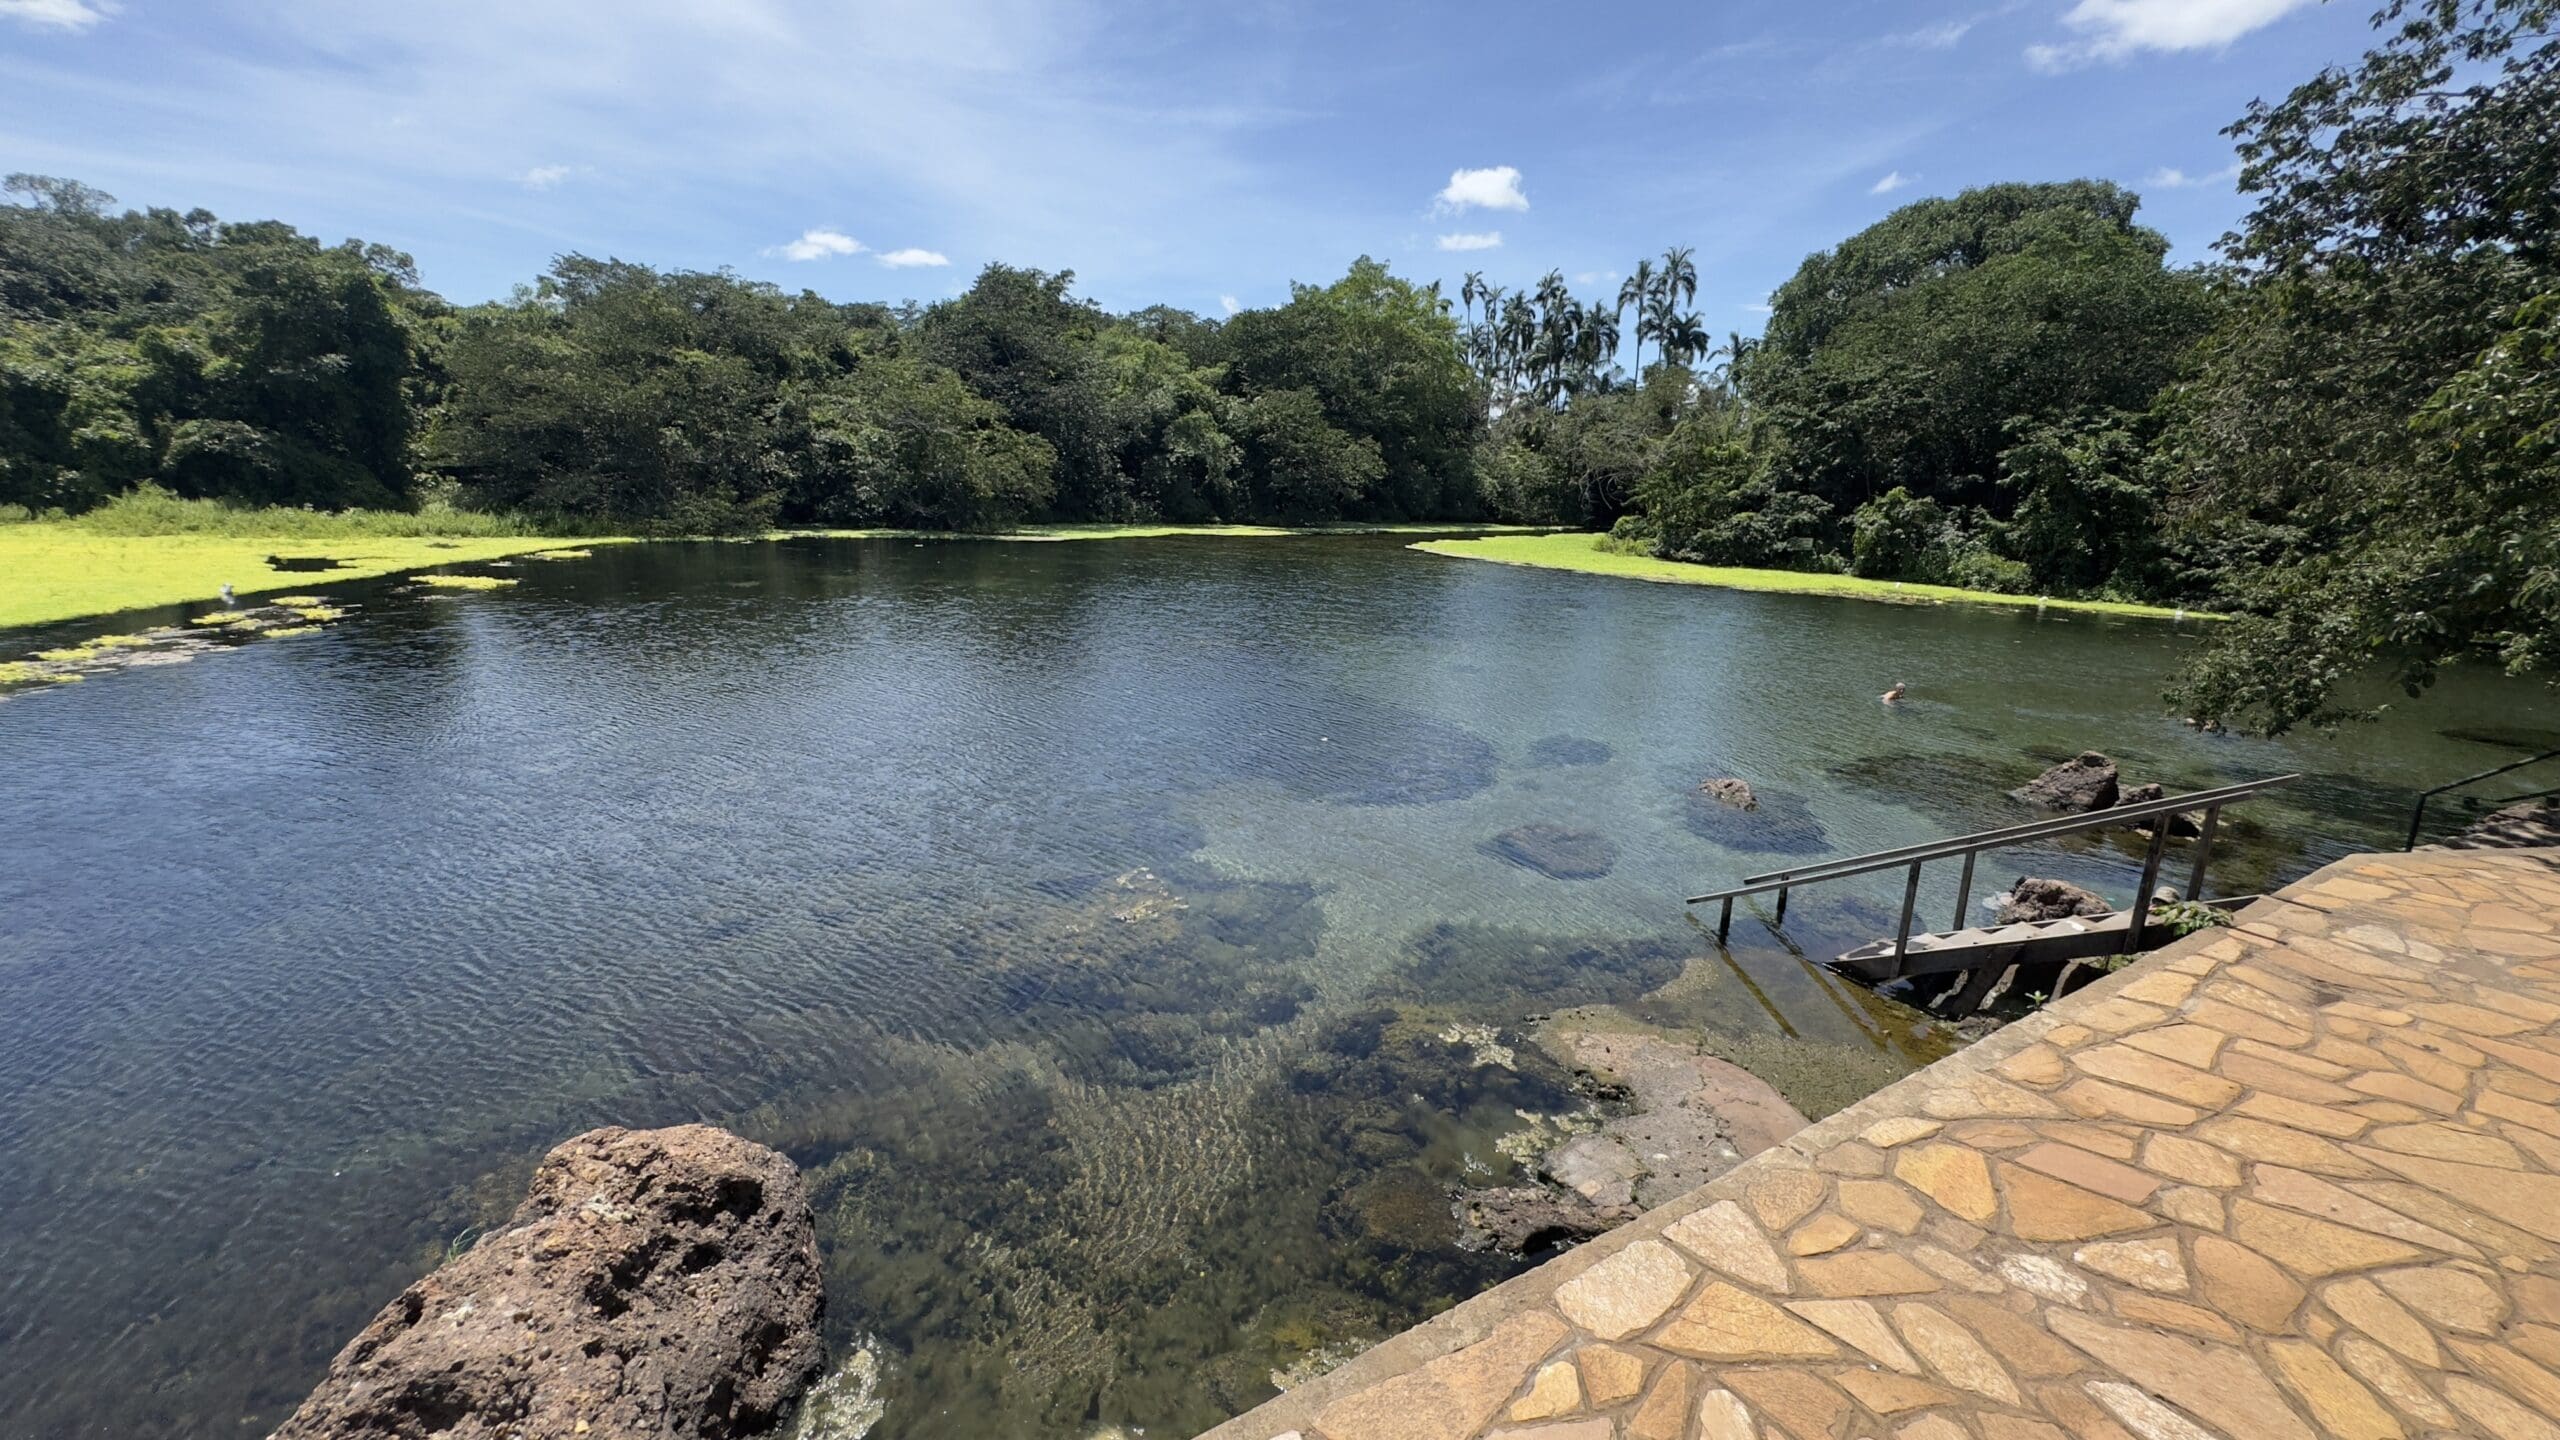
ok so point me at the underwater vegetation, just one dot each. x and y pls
(92, 649)
(466, 582)
(1557, 751)
(19, 672)
(1503, 969)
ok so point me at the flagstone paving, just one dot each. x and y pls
(2295, 1179)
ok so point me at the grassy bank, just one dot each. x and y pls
(55, 571)
(1155, 531)
(1582, 552)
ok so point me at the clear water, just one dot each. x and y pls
(1078, 915)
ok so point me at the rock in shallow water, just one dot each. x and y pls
(2033, 899)
(2083, 783)
(654, 1283)
(1558, 852)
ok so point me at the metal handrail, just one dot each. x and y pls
(2418, 817)
(1988, 839)
(1971, 846)
(1991, 839)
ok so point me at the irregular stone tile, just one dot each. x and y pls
(1889, 1394)
(1782, 1197)
(2312, 1247)
(2362, 1304)
(1864, 1272)
(2196, 1208)
(1452, 1397)
(2454, 1299)
(2497, 1414)
(2251, 988)
(1991, 1134)
(2037, 1065)
(2472, 1021)
(2383, 1371)
(1855, 1157)
(2541, 1342)
(2192, 1161)
(1663, 1414)
(2015, 1427)
(2115, 1015)
(1957, 1178)
(2348, 1054)
(2545, 1149)
(2259, 1140)
(2388, 1112)
(2067, 1037)
(2300, 1061)
(1880, 1203)
(2145, 1416)
(2535, 1115)
(2301, 1115)
(1595, 1428)
(2492, 1236)
(2527, 1201)
(2211, 1380)
(1723, 1416)
(1860, 1325)
(2539, 1062)
(2143, 1308)
(1626, 1292)
(2448, 1142)
(2522, 1086)
(2537, 1297)
(1727, 1239)
(2115, 1141)
(1900, 1130)
(2079, 1415)
(2147, 1264)
(2024, 1348)
(1724, 1323)
(2045, 1276)
(2393, 1086)
(1933, 1427)
(1822, 1234)
(1609, 1374)
(1968, 1097)
(2516, 1375)
(1953, 1353)
(2040, 1207)
(2098, 1100)
(2186, 1084)
(2245, 1285)
(2337, 1403)
(2160, 987)
(2090, 1172)
(1557, 1390)
(1801, 1403)
(2232, 1019)
(2274, 1079)
(2295, 1190)
(1954, 1269)
(2192, 1045)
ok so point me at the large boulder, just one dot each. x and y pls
(1732, 791)
(654, 1283)
(2083, 783)
(2032, 899)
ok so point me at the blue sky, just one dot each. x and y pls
(1202, 155)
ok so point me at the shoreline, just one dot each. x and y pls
(1579, 552)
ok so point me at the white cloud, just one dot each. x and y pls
(1480, 240)
(1759, 307)
(1890, 183)
(544, 177)
(56, 14)
(903, 259)
(1494, 188)
(1945, 35)
(2169, 177)
(1230, 304)
(1594, 277)
(2113, 30)
(818, 245)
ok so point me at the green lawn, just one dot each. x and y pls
(1582, 552)
(53, 571)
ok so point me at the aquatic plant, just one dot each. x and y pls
(19, 672)
(317, 612)
(280, 632)
(466, 582)
(561, 555)
(92, 649)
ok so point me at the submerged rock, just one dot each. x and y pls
(2083, 783)
(1531, 1219)
(1558, 852)
(2033, 899)
(1733, 792)
(2181, 826)
(1775, 822)
(654, 1283)
(1557, 751)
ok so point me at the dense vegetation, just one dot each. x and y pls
(2344, 430)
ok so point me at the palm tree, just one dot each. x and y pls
(1679, 275)
(1470, 290)
(1685, 339)
(1632, 296)
(1735, 351)
(1599, 339)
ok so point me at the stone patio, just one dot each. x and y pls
(2295, 1179)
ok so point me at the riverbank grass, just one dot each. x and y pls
(1583, 552)
(54, 571)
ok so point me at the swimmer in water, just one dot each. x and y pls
(1894, 695)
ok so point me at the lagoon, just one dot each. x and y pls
(1082, 918)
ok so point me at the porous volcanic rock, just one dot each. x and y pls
(1532, 1219)
(2032, 899)
(2083, 783)
(654, 1283)
(1733, 792)
(1559, 852)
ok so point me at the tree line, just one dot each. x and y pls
(2342, 429)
